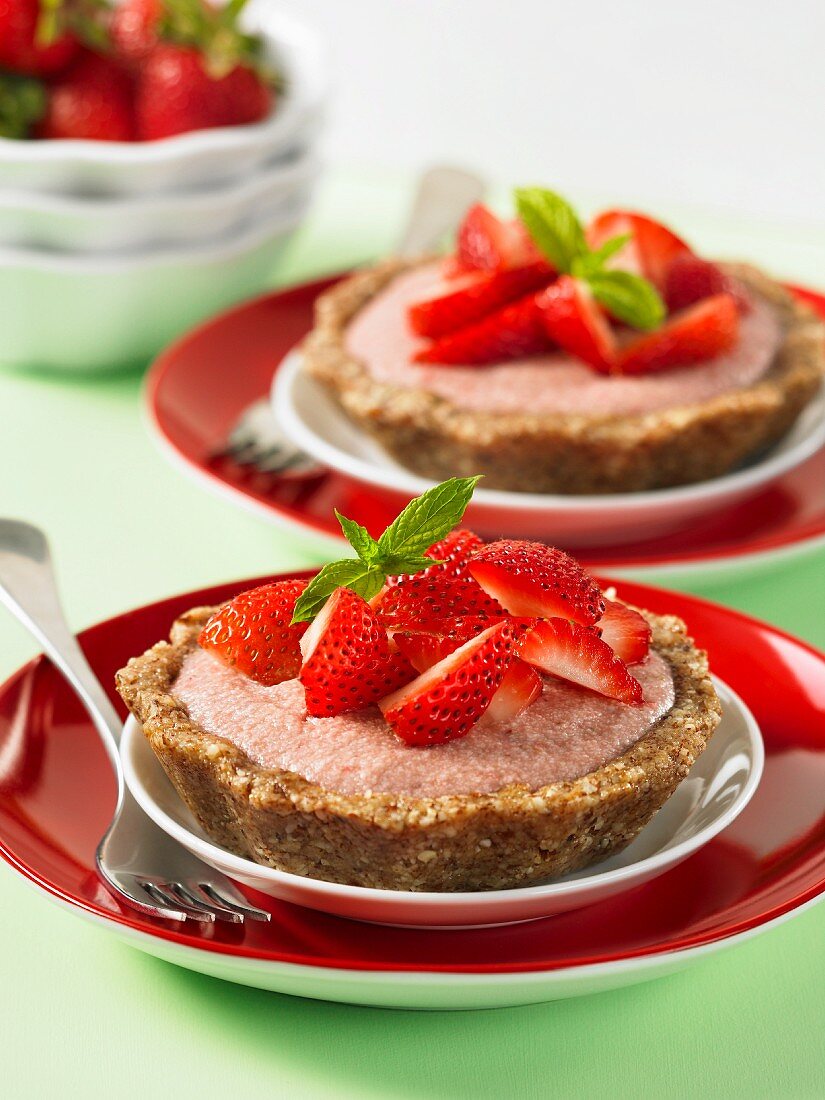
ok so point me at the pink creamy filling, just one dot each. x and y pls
(566, 733)
(379, 337)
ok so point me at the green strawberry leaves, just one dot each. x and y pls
(425, 521)
(558, 234)
(22, 105)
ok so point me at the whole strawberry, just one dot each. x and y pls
(30, 43)
(134, 29)
(92, 101)
(195, 67)
(176, 93)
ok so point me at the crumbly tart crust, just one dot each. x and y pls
(512, 837)
(568, 453)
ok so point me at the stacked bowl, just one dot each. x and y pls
(109, 250)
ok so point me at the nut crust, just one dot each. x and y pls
(567, 453)
(512, 837)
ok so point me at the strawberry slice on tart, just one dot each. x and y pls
(348, 662)
(532, 579)
(488, 243)
(446, 701)
(473, 297)
(650, 250)
(254, 633)
(690, 279)
(520, 687)
(573, 320)
(625, 631)
(515, 331)
(573, 652)
(702, 331)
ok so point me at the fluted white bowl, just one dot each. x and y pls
(65, 312)
(83, 224)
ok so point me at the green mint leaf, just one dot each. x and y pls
(595, 261)
(553, 225)
(353, 573)
(359, 539)
(427, 519)
(627, 297)
(424, 521)
(394, 566)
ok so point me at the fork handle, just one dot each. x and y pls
(29, 590)
(440, 202)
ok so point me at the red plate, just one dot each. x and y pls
(198, 388)
(56, 795)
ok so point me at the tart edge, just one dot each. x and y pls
(511, 837)
(568, 453)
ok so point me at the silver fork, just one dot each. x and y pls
(138, 862)
(442, 196)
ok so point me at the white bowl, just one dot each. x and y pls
(90, 313)
(718, 788)
(308, 415)
(30, 219)
(203, 158)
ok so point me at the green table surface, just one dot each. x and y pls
(82, 1014)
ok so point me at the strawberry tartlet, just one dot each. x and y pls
(563, 359)
(435, 713)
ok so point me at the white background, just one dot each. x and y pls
(716, 103)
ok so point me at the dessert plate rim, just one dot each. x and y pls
(778, 461)
(137, 757)
(308, 957)
(180, 379)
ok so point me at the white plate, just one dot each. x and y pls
(718, 788)
(198, 159)
(308, 415)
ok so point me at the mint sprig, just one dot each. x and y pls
(628, 297)
(553, 224)
(425, 520)
(557, 232)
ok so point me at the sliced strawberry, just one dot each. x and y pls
(512, 332)
(690, 279)
(253, 633)
(425, 650)
(453, 552)
(348, 661)
(488, 243)
(579, 655)
(529, 578)
(625, 631)
(474, 297)
(651, 249)
(572, 319)
(519, 689)
(420, 604)
(695, 335)
(451, 555)
(447, 700)
(434, 638)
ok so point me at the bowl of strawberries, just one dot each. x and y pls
(151, 95)
(155, 158)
